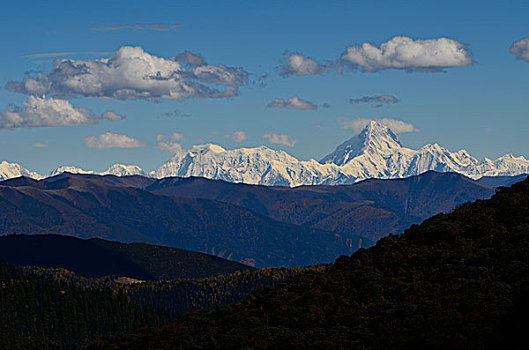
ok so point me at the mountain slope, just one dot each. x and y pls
(87, 207)
(12, 170)
(457, 281)
(369, 209)
(97, 258)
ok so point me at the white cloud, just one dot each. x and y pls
(280, 139)
(177, 136)
(397, 126)
(40, 145)
(49, 112)
(110, 140)
(402, 52)
(109, 115)
(292, 103)
(170, 146)
(300, 65)
(160, 137)
(41, 111)
(521, 49)
(133, 74)
(191, 59)
(237, 136)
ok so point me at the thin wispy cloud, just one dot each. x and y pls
(40, 145)
(159, 27)
(69, 53)
(377, 101)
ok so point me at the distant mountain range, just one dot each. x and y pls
(263, 226)
(98, 257)
(374, 153)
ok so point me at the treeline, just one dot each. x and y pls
(457, 281)
(41, 312)
(53, 308)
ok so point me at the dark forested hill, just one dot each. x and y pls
(97, 257)
(87, 207)
(370, 209)
(457, 281)
(40, 312)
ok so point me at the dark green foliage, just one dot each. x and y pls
(41, 312)
(97, 258)
(456, 281)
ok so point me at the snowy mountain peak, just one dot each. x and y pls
(69, 169)
(124, 170)
(11, 170)
(375, 138)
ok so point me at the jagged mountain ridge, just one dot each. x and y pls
(374, 153)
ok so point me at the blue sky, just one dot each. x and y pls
(482, 107)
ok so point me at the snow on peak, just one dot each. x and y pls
(124, 170)
(12, 170)
(375, 138)
(69, 169)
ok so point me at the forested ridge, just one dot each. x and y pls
(458, 280)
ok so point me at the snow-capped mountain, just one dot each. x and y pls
(124, 170)
(10, 170)
(374, 153)
(69, 169)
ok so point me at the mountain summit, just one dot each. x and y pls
(374, 138)
(374, 153)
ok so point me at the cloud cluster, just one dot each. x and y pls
(47, 112)
(402, 52)
(237, 136)
(300, 65)
(161, 27)
(521, 49)
(292, 103)
(110, 140)
(280, 139)
(133, 74)
(190, 59)
(397, 126)
(377, 100)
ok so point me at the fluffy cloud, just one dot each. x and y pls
(109, 115)
(110, 140)
(162, 27)
(190, 59)
(48, 112)
(237, 136)
(170, 146)
(521, 49)
(292, 103)
(280, 139)
(133, 74)
(39, 111)
(397, 126)
(377, 100)
(300, 65)
(402, 52)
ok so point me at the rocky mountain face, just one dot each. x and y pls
(374, 153)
